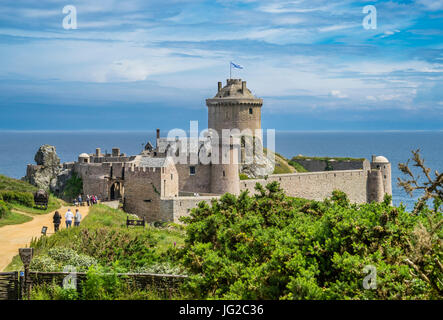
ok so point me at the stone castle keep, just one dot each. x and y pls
(152, 185)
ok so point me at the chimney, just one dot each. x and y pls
(158, 133)
(373, 158)
(243, 86)
(98, 152)
(219, 86)
(115, 152)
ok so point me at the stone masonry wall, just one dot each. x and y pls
(200, 182)
(142, 192)
(144, 189)
(174, 208)
(317, 185)
(93, 176)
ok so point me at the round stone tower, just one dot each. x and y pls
(379, 179)
(225, 174)
(233, 107)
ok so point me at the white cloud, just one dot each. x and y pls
(433, 5)
(338, 94)
(339, 27)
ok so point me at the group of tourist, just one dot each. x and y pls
(89, 200)
(69, 217)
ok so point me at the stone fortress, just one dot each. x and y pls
(154, 186)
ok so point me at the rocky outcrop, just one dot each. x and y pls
(48, 173)
(261, 165)
(46, 156)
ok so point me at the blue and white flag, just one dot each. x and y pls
(236, 65)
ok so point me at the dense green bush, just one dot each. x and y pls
(269, 246)
(24, 198)
(74, 186)
(57, 258)
(3, 209)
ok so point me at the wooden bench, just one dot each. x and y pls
(135, 222)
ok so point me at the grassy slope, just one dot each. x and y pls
(7, 183)
(14, 218)
(102, 216)
(283, 165)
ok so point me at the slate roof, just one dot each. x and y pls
(149, 162)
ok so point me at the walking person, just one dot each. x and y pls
(68, 218)
(88, 199)
(80, 200)
(56, 219)
(77, 218)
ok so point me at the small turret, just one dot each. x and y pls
(379, 179)
(83, 158)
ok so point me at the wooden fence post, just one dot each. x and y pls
(26, 255)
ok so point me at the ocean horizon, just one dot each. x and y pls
(17, 148)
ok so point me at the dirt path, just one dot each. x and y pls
(17, 236)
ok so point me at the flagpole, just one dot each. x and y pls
(230, 70)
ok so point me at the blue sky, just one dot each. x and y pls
(143, 64)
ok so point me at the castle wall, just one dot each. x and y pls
(170, 181)
(93, 176)
(314, 165)
(200, 182)
(317, 185)
(142, 192)
(144, 188)
(175, 208)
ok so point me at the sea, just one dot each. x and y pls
(17, 148)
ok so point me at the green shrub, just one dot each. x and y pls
(297, 166)
(44, 263)
(52, 292)
(57, 258)
(3, 209)
(74, 186)
(24, 198)
(243, 176)
(102, 284)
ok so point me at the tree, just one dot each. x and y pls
(432, 187)
(425, 246)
